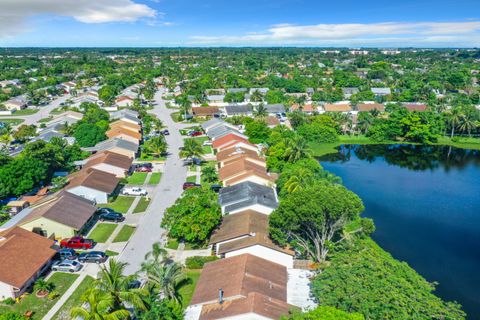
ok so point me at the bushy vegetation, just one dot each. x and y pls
(197, 262)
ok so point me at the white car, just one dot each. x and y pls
(67, 266)
(134, 191)
(207, 143)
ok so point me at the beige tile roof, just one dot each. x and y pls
(240, 224)
(111, 158)
(94, 179)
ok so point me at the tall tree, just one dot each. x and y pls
(192, 148)
(98, 306)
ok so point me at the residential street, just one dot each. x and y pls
(163, 196)
(44, 112)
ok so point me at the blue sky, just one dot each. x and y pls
(157, 23)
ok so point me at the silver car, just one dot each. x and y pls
(67, 266)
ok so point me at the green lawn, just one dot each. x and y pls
(40, 306)
(121, 204)
(74, 300)
(155, 178)
(110, 253)
(57, 110)
(320, 149)
(192, 179)
(186, 290)
(137, 178)
(43, 120)
(172, 244)
(12, 122)
(142, 205)
(124, 234)
(25, 112)
(102, 232)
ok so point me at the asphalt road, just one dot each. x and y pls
(163, 196)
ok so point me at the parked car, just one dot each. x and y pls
(215, 187)
(191, 161)
(188, 185)
(134, 191)
(93, 256)
(143, 169)
(144, 165)
(67, 266)
(195, 133)
(165, 132)
(77, 243)
(66, 254)
(207, 143)
(105, 210)
(111, 216)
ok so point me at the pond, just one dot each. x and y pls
(425, 201)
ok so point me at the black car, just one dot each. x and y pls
(92, 256)
(67, 254)
(165, 132)
(111, 216)
(215, 187)
(145, 165)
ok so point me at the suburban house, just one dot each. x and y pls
(223, 130)
(273, 109)
(124, 101)
(215, 99)
(379, 92)
(263, 91)
(241, 170)
(247, 232)
(247, 195)
(415, 106)
(231, 154)
(25, 256)
(240, 110)
(126, 125)
(240, 287)
(17, 103)
(115, 145)
(307, 108)
(48, 134)
(126, 115)
(60, 215)
(92, 184)
(125, 134)
(348, 92)
(69, 117)
(236, 90)
(366, 107)
(272, 121)
(337, 107)
(207, 125)
(69, 86)
(204, 112)
(228, 140)
(109, 162)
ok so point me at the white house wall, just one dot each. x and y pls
(265, 253)
(6, 291)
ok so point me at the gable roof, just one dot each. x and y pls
(228, 138)
(63, 207)
(205, 111)
(235, 152)
(415, 106)
(113, 143)
(240, 224)
(329, 107)
(381, 91)
(245, 194)
(111, 158)
(261, 238)
(238, 276)
(244, 109)
(222, 130)
(126, 125)
(304, 108)
(275, 108)
(210, 123)
(116, 131)
(257, 303)
(94, 179)
(370, 107)
(242, 166)
(22, 253)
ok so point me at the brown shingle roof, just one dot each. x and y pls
(116, 131)
(240, 224)
(272, 121)
(94, 179)
(238, 276)
(260, 238)
(22, 254)
(227, 139)
(126, 125)
(235, 152)
(65, 208)
(305, 108)
(415, 106)
(204, 111)
(242, 166)
(370, 107)
(337, 107)
(253, 303)
(111, 158)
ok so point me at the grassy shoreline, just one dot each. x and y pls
(321, 149)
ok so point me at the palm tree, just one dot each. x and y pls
(260, 111)
(256, 96)
(99, 306)
(454, 116)
(166, 279)
(113, 281)
(158, 254)
(297, 149)
(192, 148)
(365, 120)
(467, 124)
(156, 146)
(5, 139)
(297, 182)
(209, 174)
(157, 124)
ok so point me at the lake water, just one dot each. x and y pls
(425, 202)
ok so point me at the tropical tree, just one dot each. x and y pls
(298, 182)
(467, 124)
(113, 281)
(209, 174)
(165, 278)
(453, 117)
(157, 255)
(42, 286)
(98, 305)
(260, 111)
(256, 96)
(365, 120)
(192, 148)
(297, 149)
(156, 146)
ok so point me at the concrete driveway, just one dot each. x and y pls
(163, 195)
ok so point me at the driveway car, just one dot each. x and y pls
(67, 254)
(111, 216)
(67, 266)
(134, 191)
(195, 133)
(143, 169)
(77, 243)
(188, 185)
(165, 132)
(145, 165)
(216, 187)
(93, 256)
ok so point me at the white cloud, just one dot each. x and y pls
(14, 14)
(403, 34)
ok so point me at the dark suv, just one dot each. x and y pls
(92, 256)
(111, 216)
(67, 254)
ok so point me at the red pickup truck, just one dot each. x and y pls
(77, 243)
